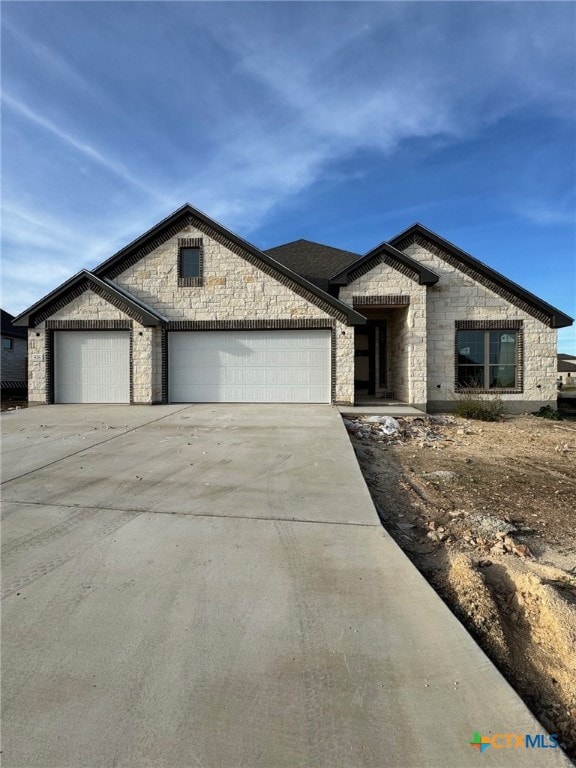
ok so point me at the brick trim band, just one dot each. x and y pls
(270, 271)
(82, 325)
(333, 366)
(187, 281)
(201, 226)
(56, 306)
(494, 392)
(380, 300)
(189, 242)
(488, 325)
(387, 259)
(75, 293)
(134, 258)
(49, 365)
(131, 366)
(402, 268)
(117, 302)
(190, 282)
(89, 325)
(164, 364)
(240, 325)
(367, 267)
(249, 325)
(475, 274)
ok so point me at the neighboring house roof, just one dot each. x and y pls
(385, 253)
(8, 329)
(81, 282)
(488, 277)
(314, 261)
(566, 364)
(564, 356)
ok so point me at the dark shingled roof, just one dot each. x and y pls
(8, 329)
(566, 363)
(314, 261)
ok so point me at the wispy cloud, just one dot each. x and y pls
(366, 78)
(116, 168)
(544, 213)
(48, 58)
(255, 105)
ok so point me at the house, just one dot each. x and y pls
(190, 312)
(14, 354)
(566, 370)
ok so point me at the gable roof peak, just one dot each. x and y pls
(386, 252)
(485, 275)
(105, 288)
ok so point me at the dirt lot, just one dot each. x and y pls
(487, 511)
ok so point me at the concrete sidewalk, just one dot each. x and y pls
(210, 586)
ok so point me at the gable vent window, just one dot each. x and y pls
(190, 261)
(488, 359)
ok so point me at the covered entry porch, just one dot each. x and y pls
(389, 357)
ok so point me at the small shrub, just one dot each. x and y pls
(547, 412)
(473, 406)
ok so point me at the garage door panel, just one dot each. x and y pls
(239, 394)
(250, 366)
(92, 367)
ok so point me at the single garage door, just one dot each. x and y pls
(92, 366)
(249, 366)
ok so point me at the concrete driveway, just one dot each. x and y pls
(210, 586)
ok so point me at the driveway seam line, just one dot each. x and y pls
(95, 445)
(192, 515)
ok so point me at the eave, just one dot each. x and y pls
(557, 318)
(120, 298)
(379, 254)
(187, 214)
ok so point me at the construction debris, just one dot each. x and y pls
(386, 429)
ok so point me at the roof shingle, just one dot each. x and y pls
(314, 261)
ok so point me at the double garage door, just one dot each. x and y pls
(203, 366)
(249, 367)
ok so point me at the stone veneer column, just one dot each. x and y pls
(344, 364)
(142, 364)
(37, 366)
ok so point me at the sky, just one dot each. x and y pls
(342, 123)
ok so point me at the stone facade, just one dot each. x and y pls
(90, 309)
(38, 365)
(457, 297)
(406, 329)
(232, 290)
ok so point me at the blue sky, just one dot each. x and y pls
(338, 122)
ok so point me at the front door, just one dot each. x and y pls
(364, 382)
